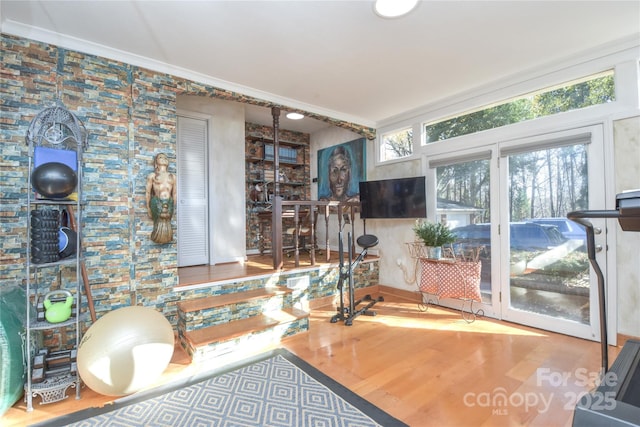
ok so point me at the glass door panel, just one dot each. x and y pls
(464, 205)
(549, 267)
(550, 284)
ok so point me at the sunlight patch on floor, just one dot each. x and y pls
(394, 315)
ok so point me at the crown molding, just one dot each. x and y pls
(80, 45)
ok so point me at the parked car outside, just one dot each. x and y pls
(525, 236)
(569, 229)
(529, 236)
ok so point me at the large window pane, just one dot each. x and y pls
(464, 206)
(549, 264)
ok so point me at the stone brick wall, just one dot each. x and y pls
(322, 283)
(130, 116)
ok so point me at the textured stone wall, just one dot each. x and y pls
(322, 283)
(130, 116)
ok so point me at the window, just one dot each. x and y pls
(396, 144)
(592, 90)
(463, 192)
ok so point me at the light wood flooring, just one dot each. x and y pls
(425, 368)
(255, 265)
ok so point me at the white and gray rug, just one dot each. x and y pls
(277, 389)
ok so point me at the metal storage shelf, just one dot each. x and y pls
(54, 202)
(36, 325)
(54, 388)
(66, 261)
(53, 128)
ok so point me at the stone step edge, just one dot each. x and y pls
(204, 303)
(237, 328)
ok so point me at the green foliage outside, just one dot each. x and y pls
(571, 265)
(580, 95)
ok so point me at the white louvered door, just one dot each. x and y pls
(193, 206)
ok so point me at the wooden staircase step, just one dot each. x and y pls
(231, 298)
(237, 328)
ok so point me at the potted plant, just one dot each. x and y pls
(434, 235)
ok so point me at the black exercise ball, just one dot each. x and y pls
(54, 180)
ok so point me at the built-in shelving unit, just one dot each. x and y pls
(293, 180)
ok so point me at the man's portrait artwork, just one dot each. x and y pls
(340, 170)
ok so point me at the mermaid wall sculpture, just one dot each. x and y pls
(161, 196)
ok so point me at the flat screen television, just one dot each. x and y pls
(393, 198)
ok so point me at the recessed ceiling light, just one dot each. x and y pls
(295, 116)
(394, 8)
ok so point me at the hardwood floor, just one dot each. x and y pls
(254, 266)
(425, 368)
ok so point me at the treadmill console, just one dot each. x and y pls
(617, 402)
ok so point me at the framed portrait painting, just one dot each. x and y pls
(340, 170)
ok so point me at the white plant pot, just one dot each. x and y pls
(434, 252)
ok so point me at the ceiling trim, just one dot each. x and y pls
(73, 43)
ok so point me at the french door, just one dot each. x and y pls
(465, 203)
(548, 282)
(507, 203)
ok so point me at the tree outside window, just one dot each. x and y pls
(593, 90)
(396, 144)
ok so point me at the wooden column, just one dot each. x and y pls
(276, 210)
(327, 248)
(275, 112)
(276, 232)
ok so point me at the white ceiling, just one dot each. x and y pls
(334, 58)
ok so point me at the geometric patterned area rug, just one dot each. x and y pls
(274, 389)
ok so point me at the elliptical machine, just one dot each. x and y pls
(348, 314)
